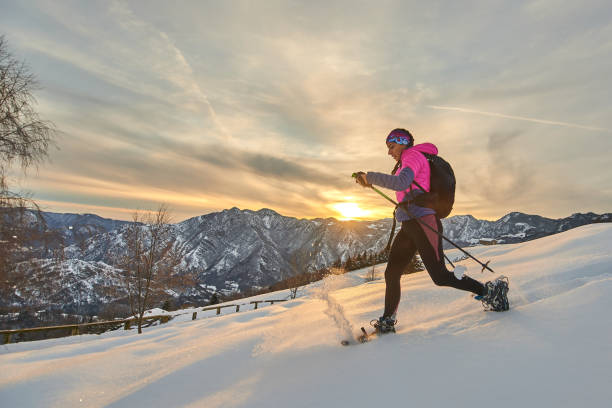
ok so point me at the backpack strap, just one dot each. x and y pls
(419, 186)
(427, 157)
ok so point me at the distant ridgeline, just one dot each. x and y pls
(236, 251)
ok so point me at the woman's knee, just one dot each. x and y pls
(393, 274)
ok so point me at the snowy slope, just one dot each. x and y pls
(552, 349)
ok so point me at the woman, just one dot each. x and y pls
(413, 167)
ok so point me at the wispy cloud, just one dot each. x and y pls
(219, 104)
(168, 60)
(523, 118)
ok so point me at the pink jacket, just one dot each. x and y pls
(413, 159)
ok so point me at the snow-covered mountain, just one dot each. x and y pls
(515, 227)
(71, 285)
(77, 228)
(242, 249)
(551, 349)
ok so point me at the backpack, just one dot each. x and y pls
(441, 196)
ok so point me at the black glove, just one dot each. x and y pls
(360, 177)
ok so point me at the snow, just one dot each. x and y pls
(524, 225)
(518, 235)
(155, 312)
(552, 349)
(267, 221)
(232, 285)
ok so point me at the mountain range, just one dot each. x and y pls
(236, 250)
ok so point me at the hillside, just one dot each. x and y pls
(552, 348)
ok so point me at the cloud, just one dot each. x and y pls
(216, 104)
(522, 118)
(167, 59)
(255, 164)
(129, 54)
(509, 175)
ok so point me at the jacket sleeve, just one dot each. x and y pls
(398, 182)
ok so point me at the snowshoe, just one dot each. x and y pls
(384, 324)
(496, 297)
(381, 326)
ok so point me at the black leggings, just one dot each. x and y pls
(411, 238)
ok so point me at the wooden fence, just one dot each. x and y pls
(83, 328)
(253, 302)
(100, 327)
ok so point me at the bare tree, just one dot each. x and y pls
(151, 261)
(296, 282)
(24, 139)
(299, 276)
(371, 275)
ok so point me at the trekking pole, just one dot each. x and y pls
(405, 208)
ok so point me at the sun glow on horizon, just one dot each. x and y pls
(350, 211)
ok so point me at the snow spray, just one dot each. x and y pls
(334, 309)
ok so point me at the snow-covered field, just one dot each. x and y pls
(552, 349)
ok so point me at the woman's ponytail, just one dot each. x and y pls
(397, 166)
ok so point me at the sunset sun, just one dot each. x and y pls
(349, 211)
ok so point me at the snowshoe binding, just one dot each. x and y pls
(384, 324)
(381, 325)
(496, 297)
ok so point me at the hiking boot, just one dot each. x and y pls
(496, 297)
(384, 324)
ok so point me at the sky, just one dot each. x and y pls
(209, 105)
